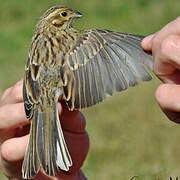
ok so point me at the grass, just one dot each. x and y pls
(129, 134)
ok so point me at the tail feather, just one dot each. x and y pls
(31, 163)
(46, 141)
(63, 157)
(47, 147)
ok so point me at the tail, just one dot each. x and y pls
(47, 147)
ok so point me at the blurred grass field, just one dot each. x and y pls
(129, 134)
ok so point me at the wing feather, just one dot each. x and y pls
(92, 75)
(77, 90)
(82, 88)
(105, 62)
(109, 73)
(120, 79)
(88, 88)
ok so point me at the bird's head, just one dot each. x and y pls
(60, 17)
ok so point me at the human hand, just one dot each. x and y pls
(165, 48)
(14, 129)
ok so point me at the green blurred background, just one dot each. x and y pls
(129, 134)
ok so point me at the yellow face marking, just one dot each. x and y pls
(59, 17)
(62, 14)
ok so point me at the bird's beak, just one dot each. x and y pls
(76, 14)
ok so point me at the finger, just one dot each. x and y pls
(171, 49)
(12, 153)
(72, 121)
(13, 150)
(12, 116)
(14, 94)
(171, 28)
(167, 96)
(147, 43)
(165, 43)
(12, 170)
(167, 59)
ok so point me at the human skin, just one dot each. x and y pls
(14, 134)
(165, 48)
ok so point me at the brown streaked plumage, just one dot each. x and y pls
(83, 67)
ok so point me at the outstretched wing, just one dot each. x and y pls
(102, 63)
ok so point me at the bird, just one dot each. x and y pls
(82, 67)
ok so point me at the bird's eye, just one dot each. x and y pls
(64, 14)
